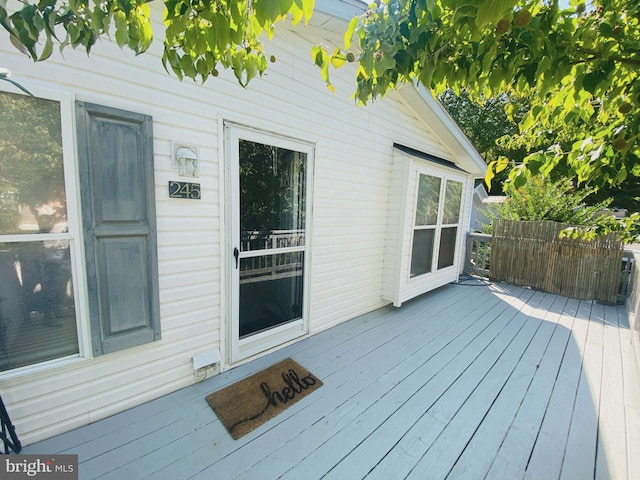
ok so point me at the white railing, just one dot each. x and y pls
(271, 265)
(478, 254)
(257, 240)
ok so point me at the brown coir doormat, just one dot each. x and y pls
(247, 404)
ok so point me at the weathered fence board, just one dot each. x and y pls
(533, 254)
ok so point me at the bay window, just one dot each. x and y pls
(426, 224)
(436, 220)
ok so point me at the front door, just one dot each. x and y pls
(269, 213)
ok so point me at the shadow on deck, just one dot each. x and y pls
(470, 381)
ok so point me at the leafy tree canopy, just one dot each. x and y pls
(201, 36)
(486, 122)
(542, 199)
(577, 66)
(559, 201)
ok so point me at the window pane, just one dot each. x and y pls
(37, 315)
(422, 251)
(271, 288)
(452, 199)
(32, 195)
(428, 200)
(447, 247)
(272, 196)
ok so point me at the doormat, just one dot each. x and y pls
(247, 404)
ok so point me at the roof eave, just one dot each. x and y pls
(334, 15)
(429, 108)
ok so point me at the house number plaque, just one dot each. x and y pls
(184, 190)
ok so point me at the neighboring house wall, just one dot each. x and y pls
(484, 208)
(353, 151)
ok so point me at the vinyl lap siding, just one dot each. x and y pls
(395, 213)
(55, 399)
(351, 205)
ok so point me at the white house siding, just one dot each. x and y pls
(399, 177)
(351, 197)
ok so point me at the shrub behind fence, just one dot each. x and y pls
(532, 254)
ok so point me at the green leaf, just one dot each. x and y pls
(519, 180)
(203, 68)
(201, 45)
(318, 55)
(338, 59)
(324, 71)
(266, 11)
(122, 33)
(501, 164)
(489, 175)
(296, 12)
(307, 8)
(15, 41)
(146, 36)
(188, 67)
(385, 63)
(622, 175)
(529, 72)
(605, 29)
(591, 81)
(348, 35)
(97, 19)
(251, 68)
(47, 50)
(237, 60)
(222, 29)
(487, 14)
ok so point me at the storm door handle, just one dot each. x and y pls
(236, 254)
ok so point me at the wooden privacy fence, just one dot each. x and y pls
(532, 254)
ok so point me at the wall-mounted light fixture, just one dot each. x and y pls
(185, 159)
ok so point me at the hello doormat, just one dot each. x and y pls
(247, 404)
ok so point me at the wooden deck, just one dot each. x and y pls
(467, 382)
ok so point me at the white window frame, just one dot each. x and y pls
(444, 176)
(66, 101)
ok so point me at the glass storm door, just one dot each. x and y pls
(269, 218)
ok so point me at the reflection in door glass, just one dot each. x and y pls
(272, 197)
(271, 289)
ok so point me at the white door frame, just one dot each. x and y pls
(240, 349)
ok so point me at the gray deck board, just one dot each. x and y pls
(546, 458)
(469, 381)
(435, 417)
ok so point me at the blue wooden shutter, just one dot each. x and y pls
(115, 150)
